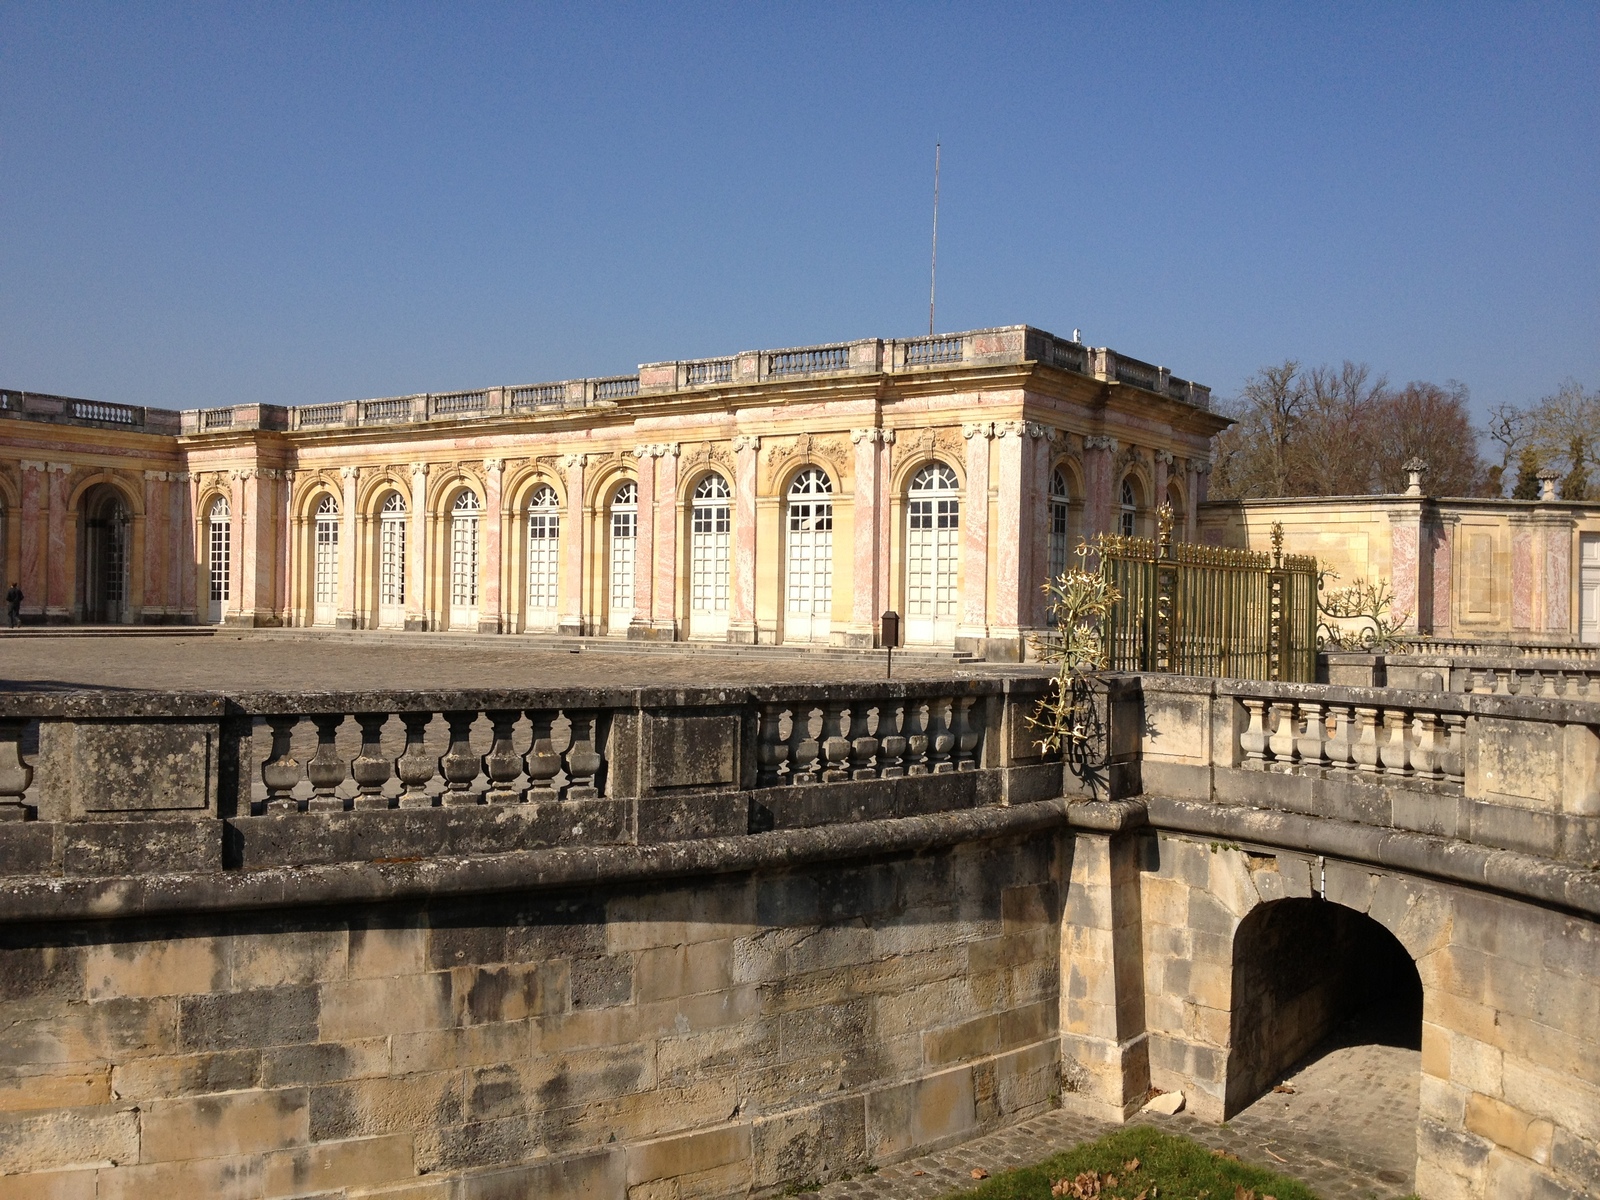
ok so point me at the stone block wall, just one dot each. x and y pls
(699, 1039)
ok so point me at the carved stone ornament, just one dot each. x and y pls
(574, 461)
(1164, 456)
(875, 436)
(349, 472)
(983, 429)
(1100, 442)
(1202, 466)
(493, 464)
(1036, 430)
(931, 443)
(806, 448)
(710, 453)
(746, 441)
(1131, 456)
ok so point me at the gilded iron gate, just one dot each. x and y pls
(1211, 610)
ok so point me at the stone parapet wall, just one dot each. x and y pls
(704, 1038)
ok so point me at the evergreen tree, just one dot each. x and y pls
(1527, 475)
(1576, 484)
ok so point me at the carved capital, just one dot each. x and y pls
(181, 476)
(156, 476)
(493, 464)
(983, 429)
(875, 436)
(573, 462)
(420, 469)
(30, 464)
(746, 441)
(1101, 442)
(644, 450)
(667, 449)
(1035, 430)
(61, 468)
(348, 473)
(1164, 456)
(1202, 466)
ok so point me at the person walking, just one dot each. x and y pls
(14, 606)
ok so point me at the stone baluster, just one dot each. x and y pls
(941, 737)
(891, 741)
(919, 716)
(544, 764)
(15, 774)
(1451, 759)
(835, 746)
(584, 758)
(1341, 755)
(414, 767)
(1394, 742)
(502, 764)
(281, 771)
(863, 747)
(370, 769)
(1253, 738)
(458, 764)
(1502, 683)
(772, 752)
(1365, 748)
(326, 770)
(967, 735)
(1480, 682)
(1427, 751)
(1550, 688)
(806, 766)
(1282, 738)
(1311, 741)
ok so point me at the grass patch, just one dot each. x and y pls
(1169, 1168)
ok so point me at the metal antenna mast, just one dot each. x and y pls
(933, 272)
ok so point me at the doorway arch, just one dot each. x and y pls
(105, 567)
(1302, 968)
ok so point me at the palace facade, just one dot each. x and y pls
(769, 496)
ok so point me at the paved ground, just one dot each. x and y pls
(281, 661)
(1348, 1131)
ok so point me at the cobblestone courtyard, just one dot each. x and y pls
(279, 661)
(1347, 1130)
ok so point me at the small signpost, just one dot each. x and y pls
(890, 637)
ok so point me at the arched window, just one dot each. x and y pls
(392, 552)
(710, 529)
(219, 547)
(544, 557)
(325, 562)
(933, 550)
(624, 532)
(464, 558)
(810, 574)
(1058, 524)
(1127, 508)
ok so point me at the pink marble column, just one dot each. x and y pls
(1196, 477)
(196, 599)
(886, 530)
(644, 544)
(665, 613)
(59, 568)
(868, 553)
(1097, 484)
(570, 618)
(259, 546)
(493, 527)
(1163, 468)
(417, 549)
(180, 562)
(282, 480)
(31, 537)
(974, 623)
(1413, 591)
(742, 603)
(1443, 542)
(1007, 619)
(1036, 503)
(157, 545)
(1558, 577)
(345, 616)
(1521, 577)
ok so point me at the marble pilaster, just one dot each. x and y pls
(1098, 502)
(489, 606)
(864, 552)
(345, 618)
(1009, 584)
(417, 549)
(32, 537)
(157, 547)
(644, 544)
(742, 606)
(665, 612)
(974, 622)
(58, 552)
(570, 616)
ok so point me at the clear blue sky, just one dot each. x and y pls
(226, 203)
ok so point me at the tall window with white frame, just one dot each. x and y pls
(624, 533)
(464, 562)
(933, 547)
(1059, 549)
(392, 561)
(710, 550)
(1127, 509)
(809, 609)
(219, 545)
(325, 563)
(544, 557)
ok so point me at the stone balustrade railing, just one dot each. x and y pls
(581, 766)
(1511, 772)
(983, 347)
(70, 410)
(1551, 672)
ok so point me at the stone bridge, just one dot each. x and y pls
(664, 944)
